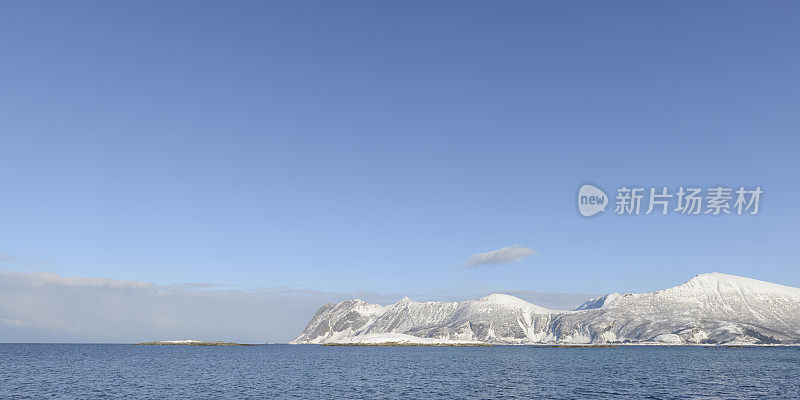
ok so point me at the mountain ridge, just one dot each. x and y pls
(710, 308)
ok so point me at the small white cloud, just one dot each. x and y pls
(503, 255)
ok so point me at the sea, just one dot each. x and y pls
(119, 371)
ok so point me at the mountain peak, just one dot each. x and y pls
(510, 301)
(405, 300)
(598, 302)
(500, 298)
(718, 281)
(718, 276)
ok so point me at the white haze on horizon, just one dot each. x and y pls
(47, 307)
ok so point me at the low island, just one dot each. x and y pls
(190, 342)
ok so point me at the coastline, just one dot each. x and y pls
(191, 343)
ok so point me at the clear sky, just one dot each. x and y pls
(345, 146)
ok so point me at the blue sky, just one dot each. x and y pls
(345, 146)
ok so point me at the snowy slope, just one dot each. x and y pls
(710, 308)
(398, 338)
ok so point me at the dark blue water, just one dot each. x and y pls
(82, 371)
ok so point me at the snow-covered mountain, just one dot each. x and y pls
(709, 309)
